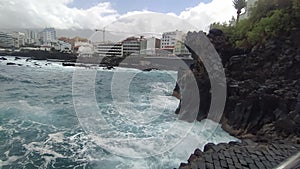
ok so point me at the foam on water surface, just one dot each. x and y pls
(38, 119)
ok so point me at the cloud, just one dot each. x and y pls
(151, 23)
(54, 13)
(203, 14)
(57, 13)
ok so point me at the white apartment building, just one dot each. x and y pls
(149, 46)
(31, 38)
(169, 39)
(180, 49)
(6, 40)
(63, 46)
(173, 42)
(84, 48)
(48, 35)
(132, 46)
(109, 49)
(19, 39)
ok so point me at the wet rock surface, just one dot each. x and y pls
(263, 87)
(262, 103)
(244, 155)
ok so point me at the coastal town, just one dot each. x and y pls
(174, 97)
(169, 44)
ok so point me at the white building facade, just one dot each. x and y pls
(63, 46)
(173, 42)
(149, 46)
(109, 49)
(132, 46)
(19, 38)
(6, 40)
(84, 48)
(48, 35)
(32, 38)
(169, 39)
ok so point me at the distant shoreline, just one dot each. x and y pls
(41, 55)
(141, 63)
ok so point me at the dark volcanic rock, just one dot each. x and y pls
(68, 64)
(149, 69)
(17, 58)
(262, 91)
(3, 58)
(10, 63)
(263, 87)
(242, 155)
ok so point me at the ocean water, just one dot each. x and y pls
(65, 117)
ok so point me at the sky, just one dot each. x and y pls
(123, 6)
(115, 15)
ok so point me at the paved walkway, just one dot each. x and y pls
(241, 156)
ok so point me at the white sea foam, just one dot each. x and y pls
(44, 150)
(10, 160)
(135, 131)
(56, 137)
(174, 147)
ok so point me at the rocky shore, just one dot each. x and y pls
(245, 155)
(262, 102)
(41, 55)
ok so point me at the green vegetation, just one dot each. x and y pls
(268, 19)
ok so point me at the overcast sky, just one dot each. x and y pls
(116, 15)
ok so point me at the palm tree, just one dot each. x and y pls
(239, 5)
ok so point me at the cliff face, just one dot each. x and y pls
(263, 87)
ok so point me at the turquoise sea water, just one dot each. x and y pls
(42, 125)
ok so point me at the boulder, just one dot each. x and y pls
(10, 63)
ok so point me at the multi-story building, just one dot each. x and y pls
(31, 38)
(180, 49)
(169, 40)
(48, 35)
(109, 49)
(84, 48)
(149, 46)
(19, 38)
(132, 46)
(62, 46)
(73, 41)
(173, 42)
(6, 40)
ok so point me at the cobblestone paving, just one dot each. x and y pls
(241, 156)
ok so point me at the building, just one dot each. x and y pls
(62, 46)
(83, 48)
(19, 39)
(169, 39)
(180, 49)
(31, 38)
(173, 42)
(6, 40)
(247, 13)
(109, 49)
(132, 46)
(149, 46)
(48, 35)
(73, 41)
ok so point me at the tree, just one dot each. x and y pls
(239, 5)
